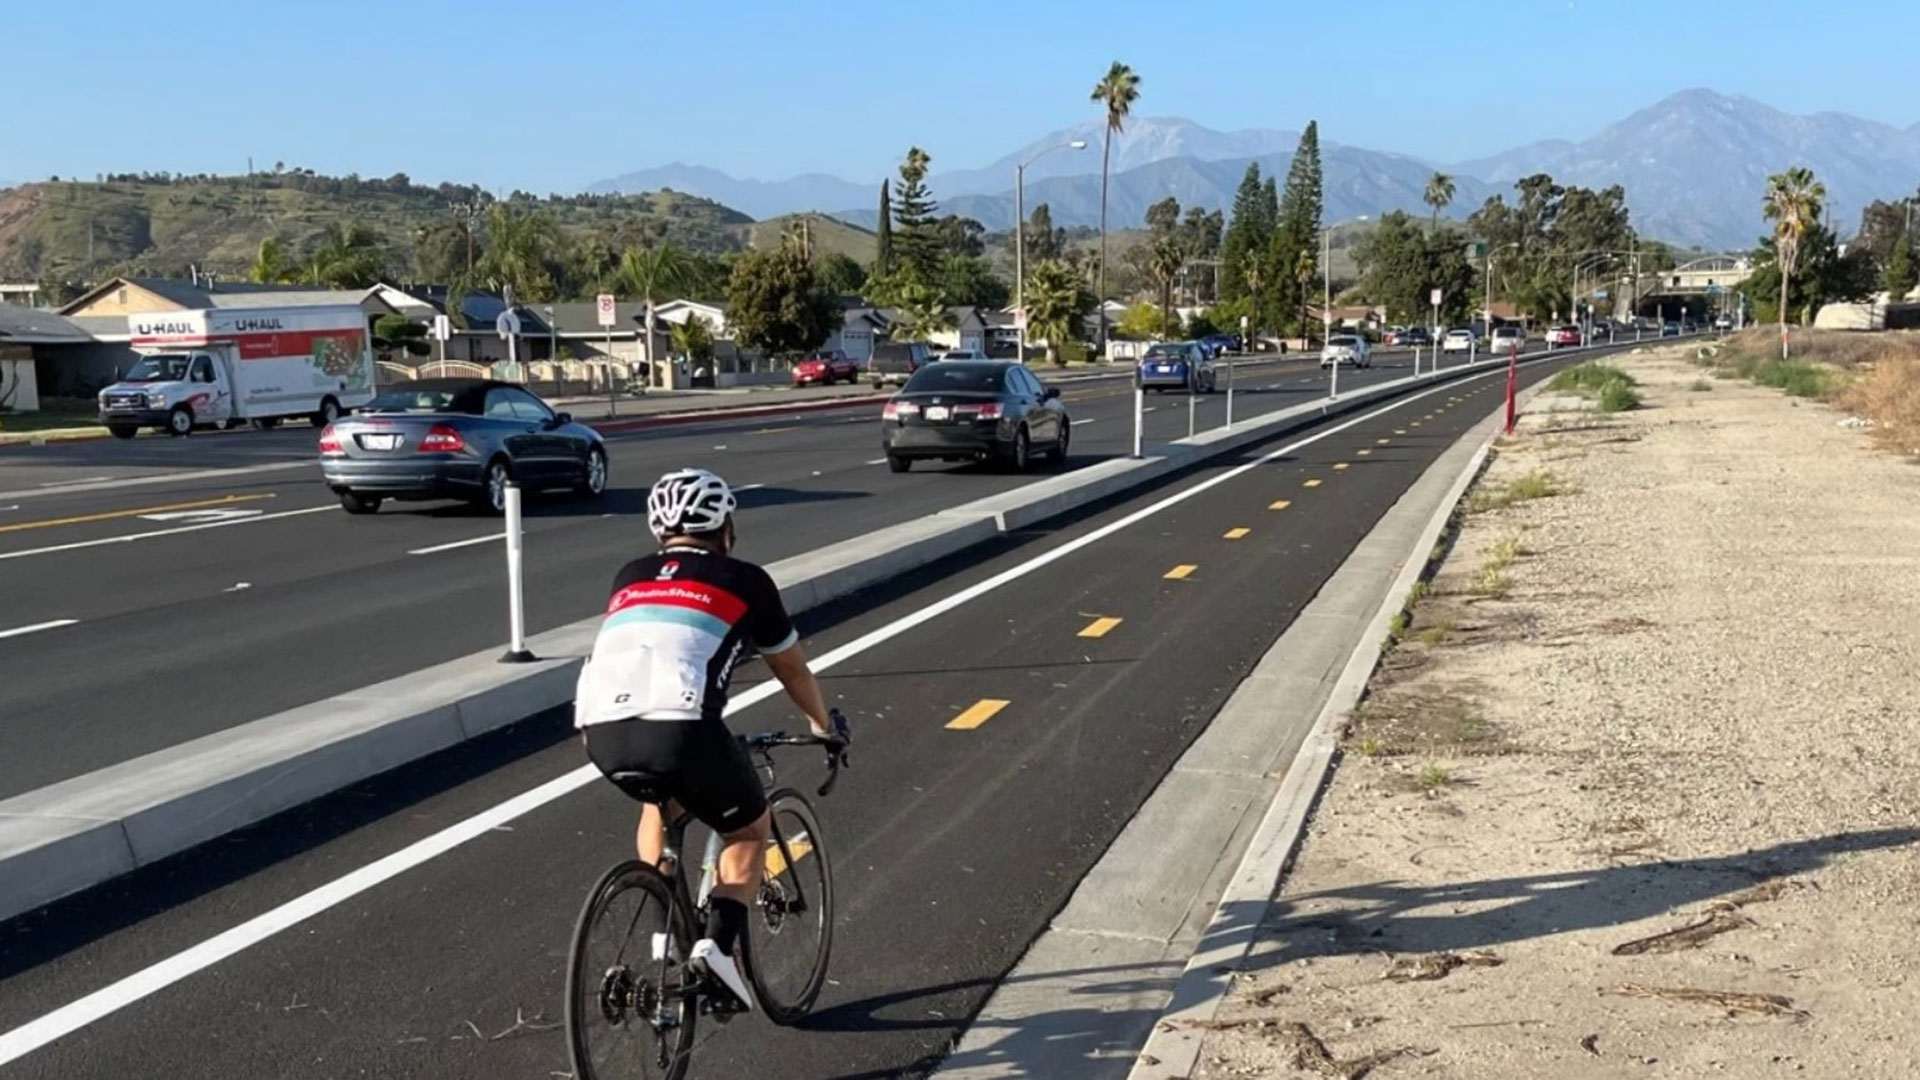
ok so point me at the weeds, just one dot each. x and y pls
(1491, 583)
(1700, 384)
(1889, 396)
(1437, 633)
(1397, 629)
(1370, 748)
(1538, 484)
(1611, 388)
(1432, 779)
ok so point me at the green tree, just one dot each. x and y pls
(270, 264)
(1899, 276)
(1792, 203)
(1042, 239)
(1305, 268)
(1438, 194)
(1057, 301)
(923, 312)
(774, 303)
(522, 253)
(916, 239)
(348, 257)
(839, 274)
(1296, 232)
(961, 236)
(970, 280)
(1116, 91)
(883, 253)
(1165, 261)
(1241, 250)
(397, 333)
(651, 275)
(1141, 322)
(692, 339)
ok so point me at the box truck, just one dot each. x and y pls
(222, 367)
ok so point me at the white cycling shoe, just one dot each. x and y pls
(707, 959)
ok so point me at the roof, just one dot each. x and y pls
(19, 325)
(224, 294)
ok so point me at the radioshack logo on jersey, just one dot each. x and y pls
(668, 571)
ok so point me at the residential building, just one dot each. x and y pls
(30, 339)
(714, 313)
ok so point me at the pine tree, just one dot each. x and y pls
(883, 256)
(1900, 275)
(1243, 241)
(916, 236)
(1297, 229)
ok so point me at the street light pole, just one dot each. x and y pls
(1020, 241)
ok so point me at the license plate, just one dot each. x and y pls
(379, 442)
(938, 412)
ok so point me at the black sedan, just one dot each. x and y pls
(458, 439)
(974, 410)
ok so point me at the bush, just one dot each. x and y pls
(1618, 397)
(1608, 385)
(1889, 396)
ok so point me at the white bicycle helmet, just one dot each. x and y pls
(689, 501)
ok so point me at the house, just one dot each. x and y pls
(969, 330)
(861, 328)
(576, 326)
(473, 335)
(714, 313)
(29, 339)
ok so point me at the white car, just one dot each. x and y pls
(1505, 339)
(963, 354)
(1348, 349)
(1457, 341)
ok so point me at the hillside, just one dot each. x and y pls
(829, 236)
(86, 230)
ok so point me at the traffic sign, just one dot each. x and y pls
(1020, 319)
(1435, 297)
(604, 307)
(442, 328)
(508, 324)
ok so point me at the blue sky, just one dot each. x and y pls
(554, 95)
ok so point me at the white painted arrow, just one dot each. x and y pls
(198, 517)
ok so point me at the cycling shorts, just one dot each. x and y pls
(698, 764)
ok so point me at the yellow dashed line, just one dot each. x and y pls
(1235, 534)
(800, 846)
(1312, 483)
(1365, 452)
(1402, 431)
(224, 500)
(1280, 504)
(1099, 627)
(1383, 442)
(978, 713)
(1339, 465)
(1181, 572)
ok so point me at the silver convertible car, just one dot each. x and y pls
(458, 439)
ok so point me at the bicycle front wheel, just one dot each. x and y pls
(790, 930)
(631, 1003)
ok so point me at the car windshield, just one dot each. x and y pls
(1341, 343)
(1458, 334)
(414, 400)
(1167, 352)
(160, 367)
(957, 378)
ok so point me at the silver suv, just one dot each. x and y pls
(1348, 349)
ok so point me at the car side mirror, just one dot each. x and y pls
(562, 419)
(1051, 393)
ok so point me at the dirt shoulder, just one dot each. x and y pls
(1637, 792)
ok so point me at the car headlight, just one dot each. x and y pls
(156, 400)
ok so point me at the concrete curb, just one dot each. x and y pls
(86, 830)
(1173, 1049)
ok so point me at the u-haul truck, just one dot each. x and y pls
(223, 366)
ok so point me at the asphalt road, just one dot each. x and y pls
(952, 848)
(160, 590)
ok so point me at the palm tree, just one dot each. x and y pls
(1438, 194)
(1792, 203)
(349, 257)
(270, 265)
(1304, 267)
(1256, 276)
(692, 339)
(1165, 259)
(522, 246)
(1056, 301)
(1117, 91)
(650, 273)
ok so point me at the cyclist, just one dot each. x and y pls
(652, 693)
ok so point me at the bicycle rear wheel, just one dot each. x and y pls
(790, 930)
(631, 1003)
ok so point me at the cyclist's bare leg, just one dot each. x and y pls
(651, 837)
(744, 859)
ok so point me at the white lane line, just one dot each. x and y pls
(37, 627)
(4, 509)
(751, 487)
(164, 478)
(458, 544)
(130, 537)
(82, 480)
(66, 1019)
(1149, 408)
(1084, 423)
(722, 446)
(883, 461)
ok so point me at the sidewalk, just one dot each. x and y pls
(1635, 794)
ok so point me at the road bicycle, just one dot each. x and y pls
(632, 1001)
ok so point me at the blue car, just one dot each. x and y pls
(1219, 344)
(1182, 365)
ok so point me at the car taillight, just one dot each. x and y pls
(897, 410)
(441, 439)
(990, 411)
(330, 441)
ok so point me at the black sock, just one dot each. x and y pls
(726, 921)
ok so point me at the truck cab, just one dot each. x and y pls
(176, 390)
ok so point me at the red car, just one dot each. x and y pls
(1563, 335)
(825, 369)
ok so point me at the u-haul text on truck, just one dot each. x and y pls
(225, 366)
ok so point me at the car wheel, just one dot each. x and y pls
(123, 431)
(180, 421)
(495, 490)
(355, 503)
(329, 412)
(594, 483)
(1022, 454)
(266, 423)
(896, 463)
(1059, 454)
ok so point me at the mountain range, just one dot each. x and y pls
(1694, 166)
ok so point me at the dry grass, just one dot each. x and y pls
(1889, 396)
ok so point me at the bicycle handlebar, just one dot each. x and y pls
(836, 746)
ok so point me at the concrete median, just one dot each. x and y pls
(70, 836)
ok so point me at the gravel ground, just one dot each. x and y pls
(1637, 793)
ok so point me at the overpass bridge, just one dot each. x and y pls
(1694, 288)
